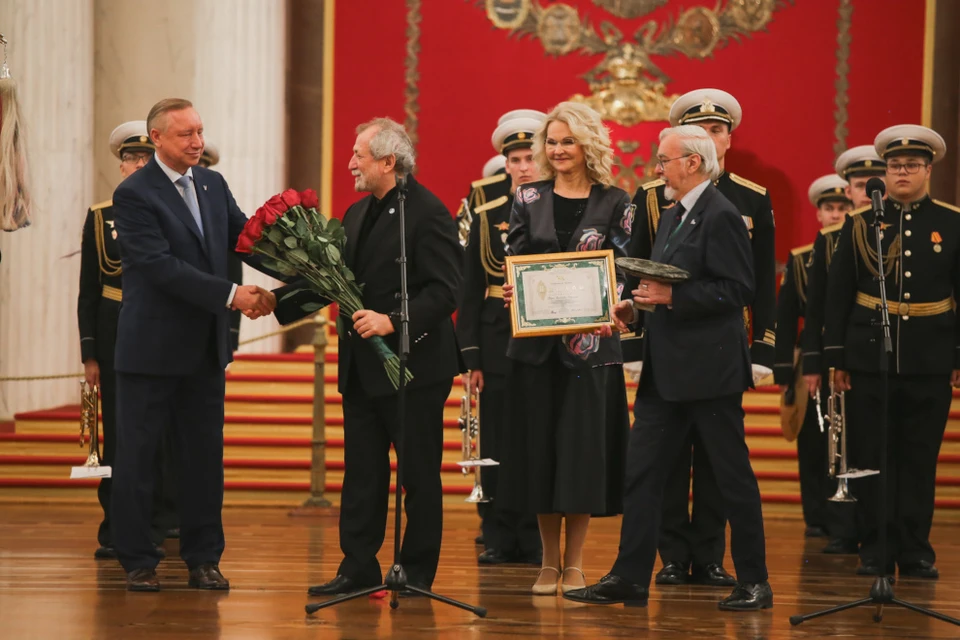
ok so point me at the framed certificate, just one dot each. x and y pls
(561, 293)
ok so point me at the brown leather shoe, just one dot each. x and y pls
(208, 576)
(143, 580)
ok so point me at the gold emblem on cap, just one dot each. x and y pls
(904, 141)
(707, 106)
(868, 163)
(521, 135)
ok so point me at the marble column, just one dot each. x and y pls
(51, 57)
(239, 90)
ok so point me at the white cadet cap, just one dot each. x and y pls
(522, 113)
(910, 139)
(515, 133)
(828, 187)
(210, 156)
(494, 164)
(861, 160)
(706, 104)
(130, 135)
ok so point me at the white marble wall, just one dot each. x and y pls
(51, 56)
(239, 90)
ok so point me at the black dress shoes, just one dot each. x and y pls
(143, 580)
(105, 553)
(712, 575)
(478, 539)
(814, 532)
(871, 567)
(748, 596)
(173, 534)
(922, 569)
(495, 556)
(339, 585)
(841, 546)
(207, 576)
(611, 590)
(673, 573)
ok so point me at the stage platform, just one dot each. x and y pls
(51, 587)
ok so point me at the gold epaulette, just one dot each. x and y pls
(653, 184)
(839, 225)
(801, 250)
(102, 205)
(753, 186)
(491, 180)
(493, 204)
(947, 206)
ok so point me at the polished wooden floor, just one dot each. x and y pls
(51, 587)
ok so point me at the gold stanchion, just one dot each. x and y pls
(317, 504)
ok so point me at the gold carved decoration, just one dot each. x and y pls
(630, 8)
(634, 171)
(411, 92)
(626, 86)
(840, 84)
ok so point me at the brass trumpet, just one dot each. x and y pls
(837, 442)
(464, 220)
(89, 421)
(469, 422)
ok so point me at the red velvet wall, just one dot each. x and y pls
(470, 73)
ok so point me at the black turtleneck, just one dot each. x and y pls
(374, 210)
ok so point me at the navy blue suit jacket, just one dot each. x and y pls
(174, 315)
(699, 349)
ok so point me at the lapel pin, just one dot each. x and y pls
(204, 187)
(391, 210)
(692, 222)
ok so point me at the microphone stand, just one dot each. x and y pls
(881, 593)
(396, 580)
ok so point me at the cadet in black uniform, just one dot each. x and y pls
(856, 165)
(829, 195)
(921, 247)
(98, 308)
(483, 331)
(698, 539)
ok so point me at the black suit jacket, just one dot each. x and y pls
(434, 260)
(698, 348)
(174, 313)
(606, 224)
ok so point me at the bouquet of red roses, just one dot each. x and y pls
(295, 239)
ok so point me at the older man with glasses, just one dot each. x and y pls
(921, 261)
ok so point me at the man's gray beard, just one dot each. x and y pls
(360, 184)
(670, 193)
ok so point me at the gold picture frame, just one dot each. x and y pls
(561, 280)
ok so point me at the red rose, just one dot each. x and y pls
(291, 198)
(275, 206)
(244, 244)
(254, 228)
(265, 216)
(309, 199)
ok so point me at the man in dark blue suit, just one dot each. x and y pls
(696, 368)
(176, 224)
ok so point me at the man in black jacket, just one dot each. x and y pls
(696, 366)
(383, 152)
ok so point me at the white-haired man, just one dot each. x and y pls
(696, 367)
(381, 153)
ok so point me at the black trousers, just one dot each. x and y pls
(371, 425)
(916, 419)
(504, 529)
(659, 436)
(164, 502)
(193, 407)
(698, 538)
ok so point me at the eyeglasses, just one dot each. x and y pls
(909, 167)
(134, 158)
(663, 161)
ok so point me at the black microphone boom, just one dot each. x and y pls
(876, 188)
(402, 181)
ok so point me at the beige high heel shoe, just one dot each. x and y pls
(566, 588)
(545, 589)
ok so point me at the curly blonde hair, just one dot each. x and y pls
(591, 134)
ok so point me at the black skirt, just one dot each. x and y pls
(565, 450)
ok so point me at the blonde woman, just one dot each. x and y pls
(567, 396)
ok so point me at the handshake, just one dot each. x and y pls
(254, 301)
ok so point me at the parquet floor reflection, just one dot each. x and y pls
(51, 587)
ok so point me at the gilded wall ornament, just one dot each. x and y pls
(626, 86)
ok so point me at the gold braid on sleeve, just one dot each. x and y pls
(489, 261)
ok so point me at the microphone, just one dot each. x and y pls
(876, 188)
(401, 182)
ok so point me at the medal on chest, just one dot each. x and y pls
(113, 229)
